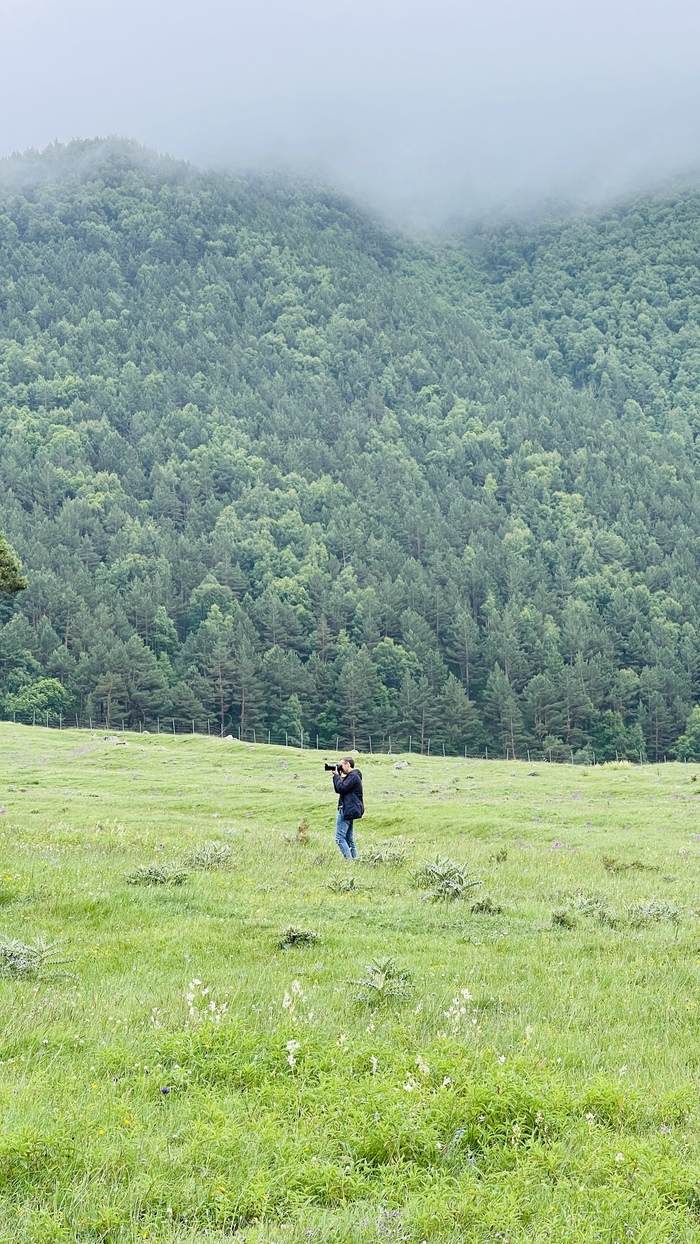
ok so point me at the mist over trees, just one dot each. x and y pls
(269, 467)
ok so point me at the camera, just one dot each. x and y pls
(331, 768)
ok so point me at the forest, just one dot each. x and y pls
(273, 469)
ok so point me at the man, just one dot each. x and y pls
(347, 781)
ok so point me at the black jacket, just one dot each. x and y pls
(349, 790)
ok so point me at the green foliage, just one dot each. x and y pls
(46, 697)
(27, 959)
(154, 874)
(11, 578)
(293, 936)
(444, 881)
(210, 855)
(384, 981)
(273, 470)
(688, 745)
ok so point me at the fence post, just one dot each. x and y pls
(269, 736)
(34, 717)
(336, 742)
(286, 739)
(487, 753)
(389, 744)
(409, 744)
(443, 751)
(369, 736)
(428, 746)
(193, 725)
(158, 720)
(47, 723)
(60, 721)
(316, 742)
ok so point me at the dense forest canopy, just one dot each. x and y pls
(269, 467)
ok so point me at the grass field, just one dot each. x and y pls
(526, 1069)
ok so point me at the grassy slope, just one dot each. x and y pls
(572, 1103)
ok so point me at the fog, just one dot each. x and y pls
(427, 110)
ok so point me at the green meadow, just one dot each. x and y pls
(213, 1028)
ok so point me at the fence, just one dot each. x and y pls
(371, 744)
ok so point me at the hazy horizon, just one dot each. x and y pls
(423, 113)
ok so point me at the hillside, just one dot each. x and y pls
(269, 467)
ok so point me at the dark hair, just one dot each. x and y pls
(348, 760)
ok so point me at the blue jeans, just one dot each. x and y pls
(343, 836)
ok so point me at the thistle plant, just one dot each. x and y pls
(27, 959)
(384, 981)
(444, 881)
(209, 856)
(394, 857)
(342, 885)
(157, 875)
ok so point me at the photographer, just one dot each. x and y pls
(347, 781)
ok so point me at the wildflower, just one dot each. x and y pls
(292, 1047)
(590, 1116)
(501, 1059)
(456, 1015)
(410, 1085)
(342, 1040)
(623, 1069)
(374, 1061)
(292, 997)
(422, 1066)
(528, 1033)
(446, 1082)
(619, 1157)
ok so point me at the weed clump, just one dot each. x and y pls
(394, 857)
(590, 906)
(445, 880)
(384, 981)
(27, 959)
(485, 907)
(297, 937)
(612, 865)
(302, 834)
(157, 875)
(647, 911)
(210, 856)
(342, 885)
(563, 918)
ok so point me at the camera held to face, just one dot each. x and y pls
(332, 768)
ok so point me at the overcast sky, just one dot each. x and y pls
(424, 107)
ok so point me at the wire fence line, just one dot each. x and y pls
(365, 743)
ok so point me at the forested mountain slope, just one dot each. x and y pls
(263, 466)
(610, 299)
